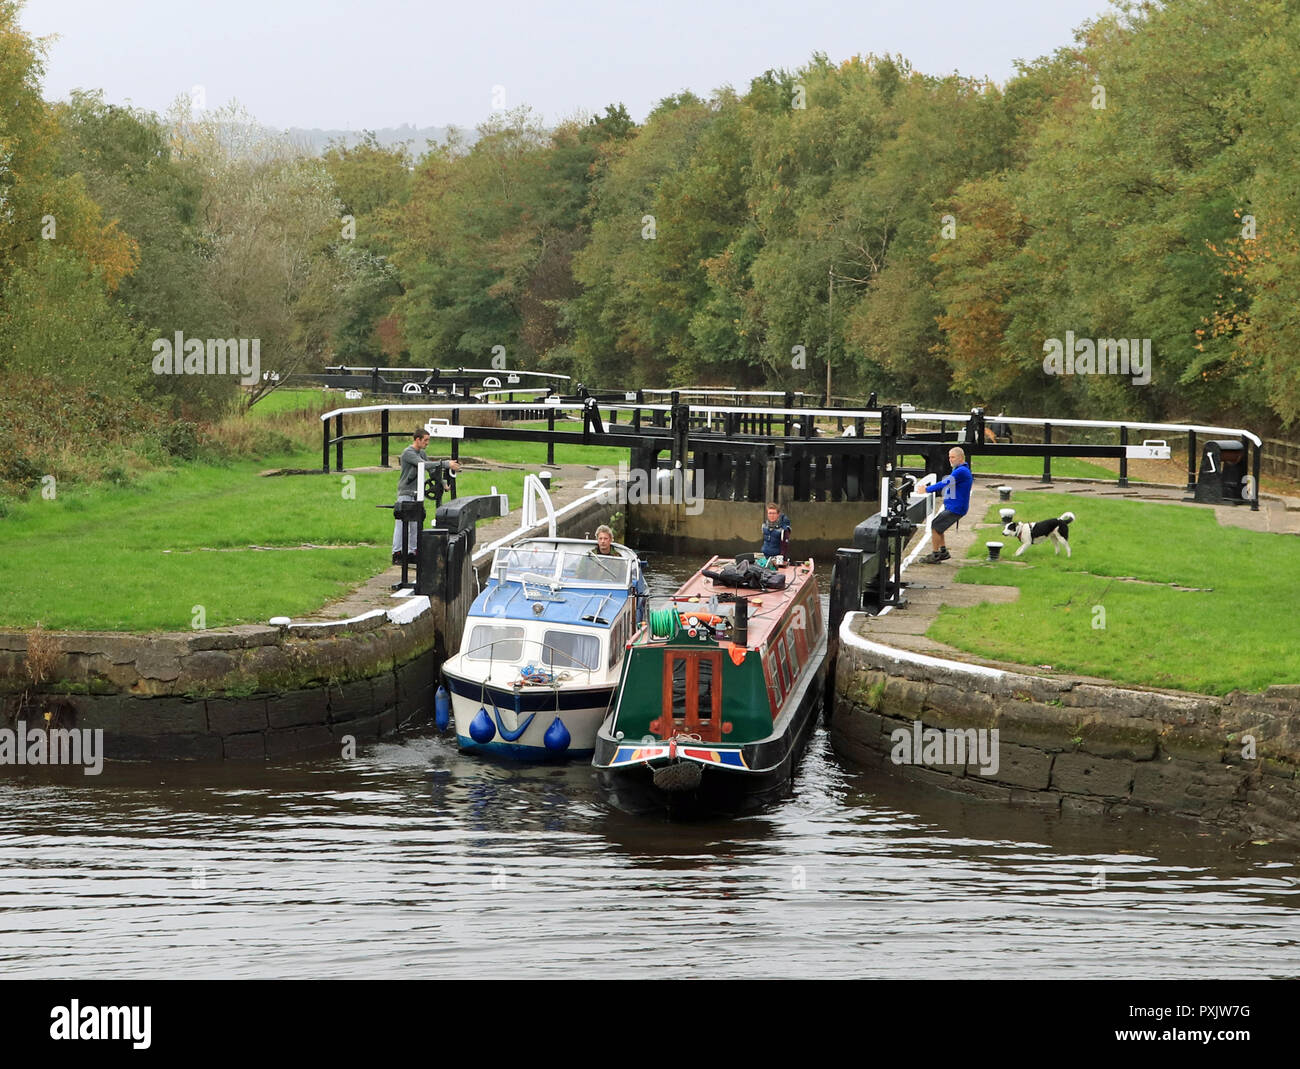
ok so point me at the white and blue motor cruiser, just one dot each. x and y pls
(543, 649)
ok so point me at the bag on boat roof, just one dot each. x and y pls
(747, 574)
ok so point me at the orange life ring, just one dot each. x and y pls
(711, 619)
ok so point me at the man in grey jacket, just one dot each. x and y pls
(408, 486)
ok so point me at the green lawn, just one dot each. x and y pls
(1241, 633)
(365, 453)
(605, 456)
(1062, 467)
(145, 557)
(278, 401)
(141, 558)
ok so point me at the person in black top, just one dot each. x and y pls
(776, 532)
(442, 474)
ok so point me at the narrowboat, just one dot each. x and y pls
(542, 649)
(719, 693)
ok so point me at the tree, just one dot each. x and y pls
(486, 241)
(977, 270)
(620, 329)
(37, 206)
(269, 224)
(58, 322)
(1257, 291)
(1124, 199)
(373, 183)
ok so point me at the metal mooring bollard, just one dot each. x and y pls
(995, 549)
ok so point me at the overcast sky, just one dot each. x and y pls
(352, 65)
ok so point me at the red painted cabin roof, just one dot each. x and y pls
(767, 608)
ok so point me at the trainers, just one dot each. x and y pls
(936, 557)
(397, 558)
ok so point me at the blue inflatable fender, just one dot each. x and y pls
(481, 728)
(557, 737)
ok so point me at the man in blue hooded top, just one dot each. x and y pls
(956, 501)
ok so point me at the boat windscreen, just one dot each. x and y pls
(562, 564)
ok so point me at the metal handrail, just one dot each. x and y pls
(846, 413)
(447, 371)
(681, 435)
(1029, 421)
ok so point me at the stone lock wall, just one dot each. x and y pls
(1072, 745)
(250, 692)
(730, 527)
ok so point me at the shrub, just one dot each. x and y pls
(241, 437)
(20, 471)
(180, 439)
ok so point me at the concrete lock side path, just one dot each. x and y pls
(934, 585)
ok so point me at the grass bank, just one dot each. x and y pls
(203, 536)
(217, 540)
(1062, 467)
(1154, 594)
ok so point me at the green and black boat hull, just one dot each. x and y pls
(696, 780)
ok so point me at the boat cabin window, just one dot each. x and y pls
(803, 631)
(618, 637)
(490, 642)
(786, 677)
(791, 653)
(569, 649)
(774, 696)
(692, 696)
(701, 692)
(815, 612)
(800, 649)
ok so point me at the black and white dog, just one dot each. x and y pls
(1058, 530)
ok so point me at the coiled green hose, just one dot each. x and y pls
(663, 623)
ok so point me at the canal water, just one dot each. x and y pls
(414, 861)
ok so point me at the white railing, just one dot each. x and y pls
(552, 515)
(829, 413)
(539, 495)
(370, 368)
(931, 509)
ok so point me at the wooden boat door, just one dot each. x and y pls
(692, 695)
